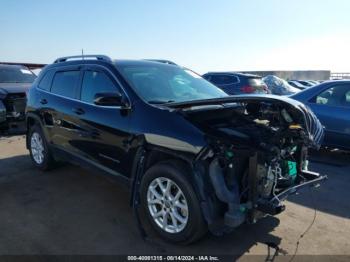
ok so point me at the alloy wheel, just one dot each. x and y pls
(37, 148)
(167, 205)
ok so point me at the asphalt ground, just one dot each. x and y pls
(75, 211)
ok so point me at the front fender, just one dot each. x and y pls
(34, 119)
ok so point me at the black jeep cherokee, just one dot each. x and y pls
(194, 158)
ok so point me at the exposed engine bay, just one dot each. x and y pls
(257, 153)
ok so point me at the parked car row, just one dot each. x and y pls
(234, 83)
(329, 100)
(303, 84)
(15, 80)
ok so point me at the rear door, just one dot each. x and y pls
(60, 104)
(332, 107)
(104, 130)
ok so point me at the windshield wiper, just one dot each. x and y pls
(158, 102)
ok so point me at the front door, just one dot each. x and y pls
(104, 129)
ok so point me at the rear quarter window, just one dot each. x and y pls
(65, 83)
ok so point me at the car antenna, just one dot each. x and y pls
(82, 53)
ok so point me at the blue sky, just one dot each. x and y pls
(200, 34)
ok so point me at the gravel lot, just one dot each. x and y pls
(71, 210)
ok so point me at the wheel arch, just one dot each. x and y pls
(148, 156)
(32, 120)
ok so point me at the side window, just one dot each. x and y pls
(335, 96)
(96, 82)
(224, 79)
(65, 82)
(347, 97)
(233, 80)
(45, 82)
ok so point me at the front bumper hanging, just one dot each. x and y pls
(274, 205)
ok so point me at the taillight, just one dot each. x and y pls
(247, 89)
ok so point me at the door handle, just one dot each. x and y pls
(78, 111)
(43, 101)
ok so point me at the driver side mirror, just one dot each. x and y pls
(109, 99)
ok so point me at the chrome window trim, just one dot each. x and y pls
(77, 100)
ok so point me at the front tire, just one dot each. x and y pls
(39, 149)
(170, 203)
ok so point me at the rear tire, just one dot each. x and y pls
(39, 150)
(167, 195)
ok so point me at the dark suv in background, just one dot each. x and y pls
(194, 157)
(237, 83)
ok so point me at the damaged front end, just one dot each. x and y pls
(12, 109)
(256, 155)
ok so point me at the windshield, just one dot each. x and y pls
(16, 75)
(161, 83)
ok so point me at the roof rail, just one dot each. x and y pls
(82, 57)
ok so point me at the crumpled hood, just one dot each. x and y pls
(199, 111)
(11, 88)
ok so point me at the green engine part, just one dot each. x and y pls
(290, 167)
(229, 154)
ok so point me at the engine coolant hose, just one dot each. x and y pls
(233, 217)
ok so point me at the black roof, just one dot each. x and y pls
(115, 62)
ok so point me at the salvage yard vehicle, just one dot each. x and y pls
(194, 157)
(330, 101)
(234, 83)
(296, 84)
(279, 86)
(15, 80)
